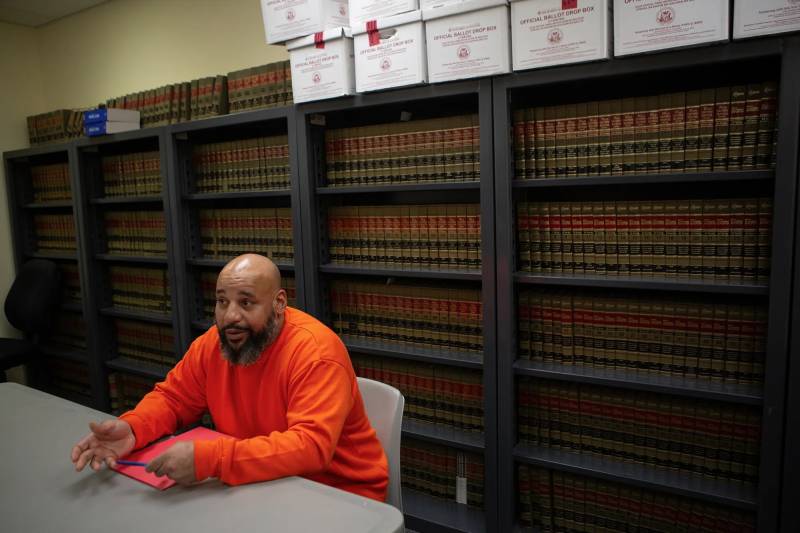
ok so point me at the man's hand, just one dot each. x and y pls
(107, 442)
(177, 463)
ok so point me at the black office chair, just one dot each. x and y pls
(31, 304)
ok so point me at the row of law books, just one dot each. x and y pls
(54, 232)
(64, 375)
(264, 230)
(140, 288)
(259, 87)
(448, 397)
(551, 500)
(703, 438)
(148, 343)
(208, 288)
(259, 163)
(70, 282)
(55, 126)
(437, 236)
(69, 331)
(134, 174)
(178, 102)
(714, 129)
(442, 472)
(720, 239)
(126, 390)
(135, 232)
(430, 150)
(684, 337)
(51, 182)
(439, 319)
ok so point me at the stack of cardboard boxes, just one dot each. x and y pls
(339, 48)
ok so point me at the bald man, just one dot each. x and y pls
(276, 380)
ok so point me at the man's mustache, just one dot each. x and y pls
(236, 328)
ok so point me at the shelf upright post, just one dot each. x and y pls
(310, 149)
(505, 266)
(86, 234)
(782, 374)
(172, 179)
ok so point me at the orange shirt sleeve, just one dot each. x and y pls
(174, 403)
(320, 396)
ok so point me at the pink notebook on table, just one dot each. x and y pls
(149, 453)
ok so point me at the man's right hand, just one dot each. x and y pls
(107, 442)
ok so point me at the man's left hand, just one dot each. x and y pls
(177, 463)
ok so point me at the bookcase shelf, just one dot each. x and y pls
(49, 205)
(712, 490)
(465, 275)
(219, 263)
(423, 512)
(139, 368)
(449, 436)
(75, 307)
(617, 82)
(145, 259)
(405, 187)
(196, 197)
(136, 315)
(462, 359)
(64, 352)
(67, 256)
(455, 100)
(627, 379)
(122, 200)
(642, 283)
(647, 179)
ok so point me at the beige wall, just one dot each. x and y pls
(119, 47)
(126, 46)
(21, 95)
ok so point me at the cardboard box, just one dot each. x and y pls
(362, 11)
(762, 17)
(393, 54)
(645, 25)
(322, 65)
(467, 40)
(289, 19)
(432, 4)
(554, 32)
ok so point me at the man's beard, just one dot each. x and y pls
(249, 352)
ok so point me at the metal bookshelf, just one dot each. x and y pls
(96, 260)
(654, 73)
(22, 208)
(423, 513)
(185, 202)
(494, 99)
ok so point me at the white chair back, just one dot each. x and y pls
(384, 406)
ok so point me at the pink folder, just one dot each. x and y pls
(149, 453)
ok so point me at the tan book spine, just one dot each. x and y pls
(722, 112)
(692, 142)
(616, 136)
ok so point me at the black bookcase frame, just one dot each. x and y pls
(17, 165)
(422, 512)
(184, 202)
(780, 464)
(96, 259)
(644, 73)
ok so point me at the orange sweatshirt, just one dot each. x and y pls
(295, 411)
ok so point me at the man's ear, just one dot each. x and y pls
(281, 301)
